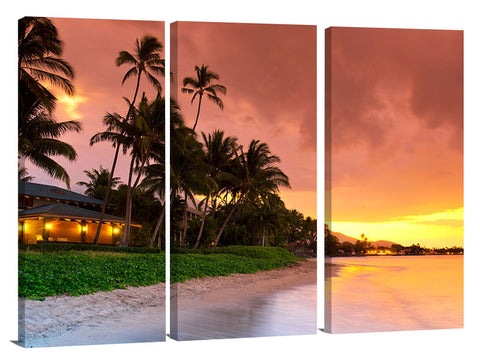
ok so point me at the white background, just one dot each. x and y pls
(433, 344)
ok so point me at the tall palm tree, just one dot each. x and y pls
(201, 86)
(256, 176)
(145, 60)
(148, 125)
(219, 152)
(187, 169)
(154, 181)
(38, 138)
(98, 183)
(39, 60)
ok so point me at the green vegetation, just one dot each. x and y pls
(192, 263)
(74, 272)
(59, 247)
(54, 269)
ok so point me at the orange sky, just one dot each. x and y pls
(91, 47)
(269, 71)
(270, 75)
(396, 146)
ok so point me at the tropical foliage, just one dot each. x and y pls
(39, 66)
(145, 60)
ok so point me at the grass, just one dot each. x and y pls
(51, 271)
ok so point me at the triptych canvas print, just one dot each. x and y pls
(221, 175)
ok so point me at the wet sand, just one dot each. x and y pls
(267, 303)
(332, 270)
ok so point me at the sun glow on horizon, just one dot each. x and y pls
(440, 229)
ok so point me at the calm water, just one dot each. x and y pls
(288, 312)
(395, 293)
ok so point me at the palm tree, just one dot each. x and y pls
(147, 132)
(256, 176)
(38, 138)
(219, 152)
(154, 181)
(39, 51)
(187, 168)
(23, 174)
(145, 60)
(266, 216)
(201, 86)
(98, 183)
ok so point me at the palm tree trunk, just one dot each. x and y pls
(263, 237)
(128, 205)
(184, 220)
(224, 224)
(197, 243)
(107, 195)
(114, 164)
(157, 228)
(198, 111)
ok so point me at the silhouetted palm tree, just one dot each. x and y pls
(39, 51)
(256, 176)
(201, 86)
(147, 131)
(38, 139)
(145, 60)
(98, 183)
(219, 152)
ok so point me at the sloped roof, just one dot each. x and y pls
(66, 211)
(55, 193)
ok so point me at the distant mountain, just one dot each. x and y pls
(342, 238)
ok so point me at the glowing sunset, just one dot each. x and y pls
(394, 149)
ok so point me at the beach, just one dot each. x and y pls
(278, 302)
(137, 314)
(210, 289)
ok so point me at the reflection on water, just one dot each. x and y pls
(287, 312)
(395, 293)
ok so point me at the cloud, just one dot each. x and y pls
(397, 122)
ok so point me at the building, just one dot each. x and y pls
(52, 214)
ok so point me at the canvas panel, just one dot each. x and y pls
(77, 288)
(394, 179)
(245, 124)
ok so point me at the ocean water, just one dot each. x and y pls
(390, 293)
(290, 311)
